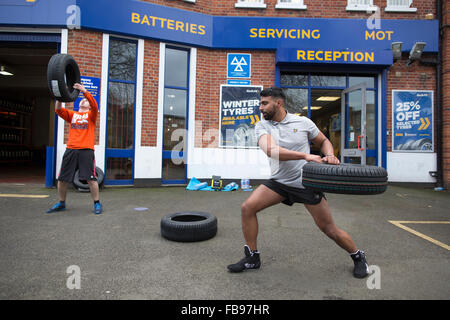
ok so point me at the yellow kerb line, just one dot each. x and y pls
(421, 235)
(38, 196)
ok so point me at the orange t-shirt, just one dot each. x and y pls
(82, 125)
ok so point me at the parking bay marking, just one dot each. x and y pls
(10, 195)
(421, 235)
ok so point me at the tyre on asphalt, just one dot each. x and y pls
(189, 226)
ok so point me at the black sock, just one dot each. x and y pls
(96, 201)
(63, 203)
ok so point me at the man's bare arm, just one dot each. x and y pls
(270, 147)
(326, 147)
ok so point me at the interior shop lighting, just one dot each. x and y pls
(312, 108)
(397, 50)
(328, 98)
(5, 72)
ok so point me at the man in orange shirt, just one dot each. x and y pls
(80, 149)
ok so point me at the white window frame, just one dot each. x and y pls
(360, 7)
(390, 7)
(290, 5)
(259, 4)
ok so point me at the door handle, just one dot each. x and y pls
(359, 146)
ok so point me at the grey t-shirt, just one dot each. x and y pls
(294, 133)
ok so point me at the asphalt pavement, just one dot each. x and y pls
(121, 254)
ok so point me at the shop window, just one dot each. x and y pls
(250, 4)
(175, 114)
(360, 5)
(120, 116)
(176, 69)
(369, 81)
(290, 4)
(297, 101)
(327, 81)
(122, 61)
(298, 80)
(399, 6)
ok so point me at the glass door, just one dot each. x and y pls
(353, 125)
(175, 115)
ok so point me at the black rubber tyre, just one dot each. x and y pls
(189, 226)
(345, 178)
(62, 74)
(82, 185)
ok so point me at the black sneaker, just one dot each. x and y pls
(251, 261)
(361, 269)
(57, 207)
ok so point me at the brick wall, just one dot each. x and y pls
(86, 48)
(403, 77)
(315, 9)
(150, 94)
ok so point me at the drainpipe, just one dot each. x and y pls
(439, 100)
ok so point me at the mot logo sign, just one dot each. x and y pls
(238, 65)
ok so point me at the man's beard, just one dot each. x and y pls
(268, 115)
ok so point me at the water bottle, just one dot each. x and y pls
(245, 184)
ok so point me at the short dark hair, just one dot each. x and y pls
(273, 92)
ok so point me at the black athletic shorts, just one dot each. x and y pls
(82, 159)
(293, 195)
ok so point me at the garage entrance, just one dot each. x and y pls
(27, 117)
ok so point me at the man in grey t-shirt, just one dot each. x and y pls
(285, 138)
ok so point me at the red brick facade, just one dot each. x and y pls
(86, 48)
(403, 77)
(150, 94)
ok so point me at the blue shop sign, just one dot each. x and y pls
(325, 34)
(333, 55)
(412, 121)
(141, 19)
(150, 21)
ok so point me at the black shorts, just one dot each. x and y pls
(293, 195)
(82, 159)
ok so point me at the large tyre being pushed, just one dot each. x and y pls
(62, 74)
(189, 226)
(345, 178)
